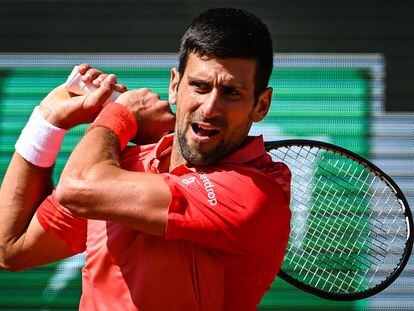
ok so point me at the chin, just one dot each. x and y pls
(195, 156)
(199, 159)
(197, 153)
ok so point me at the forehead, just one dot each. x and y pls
(230, 70)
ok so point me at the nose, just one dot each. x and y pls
(211, 105)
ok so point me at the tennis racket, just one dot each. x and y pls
(352, 229)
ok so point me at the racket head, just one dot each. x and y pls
(342, 262)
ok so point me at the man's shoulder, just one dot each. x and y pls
(271, 179)
(260, 167)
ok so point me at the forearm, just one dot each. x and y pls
(24, 187)
(90, 175)
(28, 179)
(93, 159)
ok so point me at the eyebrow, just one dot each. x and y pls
(230, 84)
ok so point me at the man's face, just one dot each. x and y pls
(216, 107)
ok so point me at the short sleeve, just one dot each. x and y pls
(238, 210)
(59, 222)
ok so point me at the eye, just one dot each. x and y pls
(200, 86)
(230, 91)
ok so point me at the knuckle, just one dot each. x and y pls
(94, 72)
(145, 90)
(101, 77)
(84, 66)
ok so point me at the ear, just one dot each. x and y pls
(262, 105)
(174, 81)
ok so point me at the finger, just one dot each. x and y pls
(103, 92)
(97, 82)
(83, 68)
(143, 90)
(120, 88)
(91, 75)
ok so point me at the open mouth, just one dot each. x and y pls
(204, 130)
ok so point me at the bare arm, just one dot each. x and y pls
(93, 185)
(24, 187)
(23, 242)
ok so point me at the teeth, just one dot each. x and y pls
(204, 131)
(204, 127)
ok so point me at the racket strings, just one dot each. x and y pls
(341, 236)
(324, 199)
(327, 231)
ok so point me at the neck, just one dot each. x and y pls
(176, 157)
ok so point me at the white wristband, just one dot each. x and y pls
(39, 143)
(75, 85)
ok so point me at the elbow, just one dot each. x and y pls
(82, 192)
(73, 193)
(9, 261)
(4, 262)
(64, 193)
(10, 267)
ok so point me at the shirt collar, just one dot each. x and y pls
(252, 149)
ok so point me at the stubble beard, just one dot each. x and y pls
(193, 155)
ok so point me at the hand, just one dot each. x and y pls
(66, 110)
(96, 77)
(153, 115)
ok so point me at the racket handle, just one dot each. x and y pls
(75, 85)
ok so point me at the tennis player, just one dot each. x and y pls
(198, 220)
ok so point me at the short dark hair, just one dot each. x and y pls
(229, 32)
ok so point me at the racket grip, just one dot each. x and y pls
(75, 85)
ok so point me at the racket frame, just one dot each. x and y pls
(269, 145)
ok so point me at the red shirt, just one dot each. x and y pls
(227, 231)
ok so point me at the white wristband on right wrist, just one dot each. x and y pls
(40, 141)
